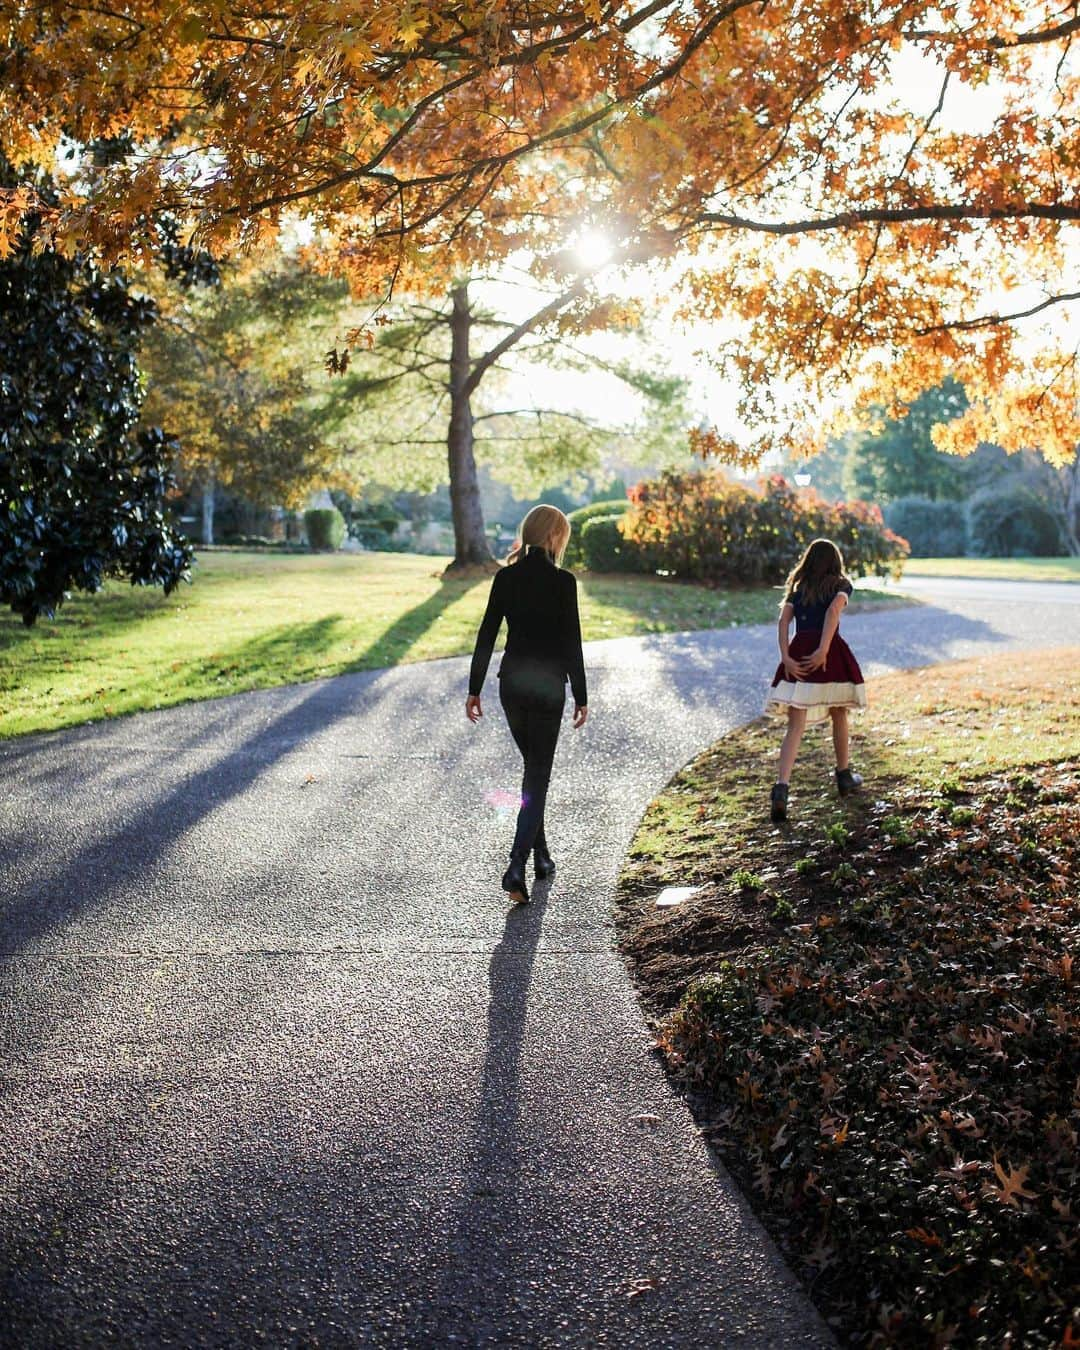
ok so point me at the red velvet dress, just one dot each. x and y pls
(839, 684)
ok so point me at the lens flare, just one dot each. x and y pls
(505, 804)
(593, 248)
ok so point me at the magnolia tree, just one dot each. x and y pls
(869, 197)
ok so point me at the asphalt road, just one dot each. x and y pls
(278, 1067)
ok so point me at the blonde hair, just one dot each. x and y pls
(818, 574)
(543, 527)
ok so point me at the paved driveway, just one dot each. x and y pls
(278, 1067)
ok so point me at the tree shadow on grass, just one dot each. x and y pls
(86, 616)
(283, 655)
(288, 654)
(395, 642)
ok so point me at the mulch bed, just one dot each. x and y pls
(877, 1021)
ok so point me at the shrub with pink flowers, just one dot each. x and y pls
(704, 527)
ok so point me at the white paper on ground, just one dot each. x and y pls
(675, 895)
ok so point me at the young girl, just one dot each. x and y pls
(817, 676)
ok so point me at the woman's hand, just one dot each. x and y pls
(792, 668)
(815, 661)
(473, 711)
(581, 715)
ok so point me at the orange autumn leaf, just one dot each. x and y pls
(851, 249)
(1013, 1185)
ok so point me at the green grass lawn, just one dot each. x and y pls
(251, 620)
(1000, 569)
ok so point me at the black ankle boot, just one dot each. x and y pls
(543, 862)
(847, 782)
(778, 802)
(513, 881)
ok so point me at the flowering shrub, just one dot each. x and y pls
(704, 526)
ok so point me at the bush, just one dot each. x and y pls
(324, 527)
(381, 541)
(934, 529)
(605, 550)
(1008, 522)
(703, 526)
(575, 550)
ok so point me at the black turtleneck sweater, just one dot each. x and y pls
(539, 603)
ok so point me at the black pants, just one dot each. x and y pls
(534, 710)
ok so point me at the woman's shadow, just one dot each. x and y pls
(483, 1237)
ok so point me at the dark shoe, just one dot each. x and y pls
(847, 782)
(779, 802)
(543, 863)
(513, 881)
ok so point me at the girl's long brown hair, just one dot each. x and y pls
(818, 574)
(544, 526)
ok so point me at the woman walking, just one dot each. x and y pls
(538, 600)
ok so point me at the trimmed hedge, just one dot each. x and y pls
(575, 550)
(605, 550)
(324, 527)
(1011, 522)
(708, 528)
(934, 529)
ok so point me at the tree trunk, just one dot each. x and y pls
(470, 540)
(208, 508)
(1071, 476)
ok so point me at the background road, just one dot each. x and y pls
(278, 1067)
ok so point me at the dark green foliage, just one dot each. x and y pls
(934, 529)
(324, 527)
(186, 265)
(605, 549)
(575, 550)
(901, 460)
(1008, 522)
(82, 491)
(371, 523)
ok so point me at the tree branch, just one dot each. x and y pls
(537, 413)
(499, 161)
(485, 362)
(993, 320)
(894, 215)
(1036, 36)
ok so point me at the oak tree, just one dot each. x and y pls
(222, 369)
(873, 197)
(435, 376)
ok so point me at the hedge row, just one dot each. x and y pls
(997, 522)
(575, 550)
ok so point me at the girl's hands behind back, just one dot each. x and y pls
(815, 661)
